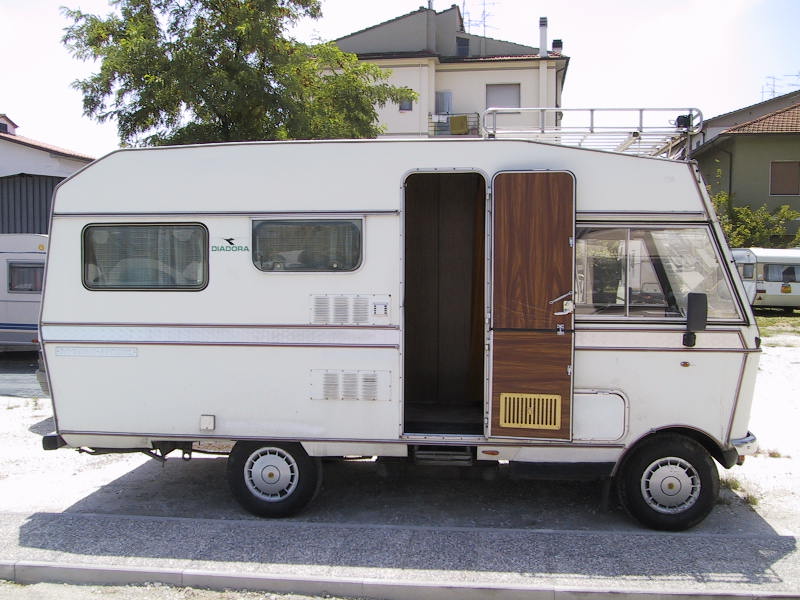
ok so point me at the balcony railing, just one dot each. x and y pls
(457, 125)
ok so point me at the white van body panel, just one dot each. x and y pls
(245, 358)
(20, 300)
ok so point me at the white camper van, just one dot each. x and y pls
(571, 311)
(22, 259)
(771, 276)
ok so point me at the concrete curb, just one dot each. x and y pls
(32, 572)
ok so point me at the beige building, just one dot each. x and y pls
(457, 74)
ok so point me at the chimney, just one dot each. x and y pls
(542, 37)
(558, 47)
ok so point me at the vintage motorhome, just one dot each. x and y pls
(22, 259)
(771, 276)
(570, 310)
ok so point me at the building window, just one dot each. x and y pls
(25, 278)
(406, 105)
(784, 178)
(444, 103)
(502, 95)
(145, 257)
(462, 47)
(307, 245)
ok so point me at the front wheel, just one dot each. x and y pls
(670, 482)
(272, 479)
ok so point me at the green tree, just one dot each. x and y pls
(196, 71)
(759, 228)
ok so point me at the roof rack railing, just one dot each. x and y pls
(663, 132)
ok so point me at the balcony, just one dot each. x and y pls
(454, 125)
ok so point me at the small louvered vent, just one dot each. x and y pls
(351, 309)
(361, 309)
(369, 386)
(321, 309)
(530, 411)
(341, 309)
(350, 385)
(330, 386)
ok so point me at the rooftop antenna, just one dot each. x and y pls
(480, 21)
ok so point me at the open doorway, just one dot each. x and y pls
(444, 303)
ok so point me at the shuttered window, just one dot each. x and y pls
(784, 178)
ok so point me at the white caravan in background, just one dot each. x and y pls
(22, 257)
(573, 312)
(771, 276)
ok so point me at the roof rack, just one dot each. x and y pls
(663, 132)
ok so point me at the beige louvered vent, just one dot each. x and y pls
(530, 411)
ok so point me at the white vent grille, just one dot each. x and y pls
(321, 309)
(350, 309)
(351, 385)
(361, 309)
(330, 386)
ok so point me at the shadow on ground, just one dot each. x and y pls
(393, 517)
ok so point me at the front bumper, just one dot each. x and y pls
(746, 446)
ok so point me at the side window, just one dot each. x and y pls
(307, 244)
(648, 273)
(25, 278)
(145, 257)
(746, 270)
(782, 273)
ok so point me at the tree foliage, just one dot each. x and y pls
(759, 228)
(195, 71)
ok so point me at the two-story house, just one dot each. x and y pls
(456, 74)
(753, 154)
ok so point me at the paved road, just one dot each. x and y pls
(375, 523)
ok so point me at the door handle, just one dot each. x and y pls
(569, 305)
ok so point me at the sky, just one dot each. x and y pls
(715, 55)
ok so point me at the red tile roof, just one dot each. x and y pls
(785, 120)
(18, 139)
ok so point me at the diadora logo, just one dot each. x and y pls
(228, 245)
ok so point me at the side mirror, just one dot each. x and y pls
(696, 317)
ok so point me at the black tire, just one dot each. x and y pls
(669, 482)
(273, 479)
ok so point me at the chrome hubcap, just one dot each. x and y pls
(670, 485)
(270, 474)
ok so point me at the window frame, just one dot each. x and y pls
(406, 105)
(359, 219)
(626, 316)
(205, 247)
(23, 263)
(782, 267)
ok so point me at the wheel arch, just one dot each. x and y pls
(726, 458)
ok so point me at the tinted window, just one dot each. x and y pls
(145, 257)
(25, 277)
(307, 245)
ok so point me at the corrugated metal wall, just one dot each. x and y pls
(25, 203)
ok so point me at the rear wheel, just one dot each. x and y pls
(670, 482)
(272, 479)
